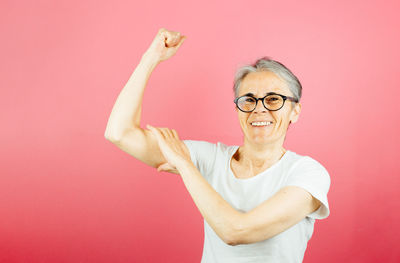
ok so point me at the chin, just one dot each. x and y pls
(261, 140)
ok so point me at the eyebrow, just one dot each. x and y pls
(252, 94)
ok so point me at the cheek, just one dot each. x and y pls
(242, 120)
(278, 125)
(243, 124)
(281, 124)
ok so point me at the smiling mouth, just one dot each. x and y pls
(261, 123)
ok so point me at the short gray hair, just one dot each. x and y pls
(267, 64)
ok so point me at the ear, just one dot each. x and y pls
(295, 114)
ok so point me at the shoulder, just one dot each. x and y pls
(305, 168)
(306, 162)
(308, 173)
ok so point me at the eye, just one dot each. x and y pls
(273, 99)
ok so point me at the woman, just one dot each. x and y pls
(259, 200)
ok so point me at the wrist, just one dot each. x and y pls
(149, 59)
(185, 165)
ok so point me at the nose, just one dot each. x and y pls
(260, 107)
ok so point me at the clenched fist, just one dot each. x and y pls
(164, 45)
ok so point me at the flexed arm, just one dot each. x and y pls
(123, 127)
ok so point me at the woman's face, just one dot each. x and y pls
(260, 83)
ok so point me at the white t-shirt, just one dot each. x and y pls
(213, 162)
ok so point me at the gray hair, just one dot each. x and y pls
(267, 64)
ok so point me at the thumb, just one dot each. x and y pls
(152, 130)
(180, 42)
(165, 167)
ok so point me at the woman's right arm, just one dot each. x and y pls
(123, 127)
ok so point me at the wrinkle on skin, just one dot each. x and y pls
(263, 147)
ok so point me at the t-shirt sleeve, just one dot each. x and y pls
(202, 154)
(310, 175)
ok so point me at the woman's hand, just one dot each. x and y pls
(173, 149)
(164, 45)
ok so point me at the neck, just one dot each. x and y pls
(259, 155)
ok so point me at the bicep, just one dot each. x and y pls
(142, 145)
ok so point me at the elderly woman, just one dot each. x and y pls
(259, 200)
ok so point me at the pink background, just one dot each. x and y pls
(69, 195)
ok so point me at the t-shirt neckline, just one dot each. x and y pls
(232, 175)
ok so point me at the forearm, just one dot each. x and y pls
(127, 109)
(218, 213)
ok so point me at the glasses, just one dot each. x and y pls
(272, 101)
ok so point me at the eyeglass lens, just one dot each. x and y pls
(272, 102)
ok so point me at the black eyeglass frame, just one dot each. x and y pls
(262, 100)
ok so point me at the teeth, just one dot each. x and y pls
(261, 123)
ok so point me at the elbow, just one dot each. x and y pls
(108, 137)
(233, 237)
(111, 138)
(112, 135)
(231, 243)
(229, 239)
(232, 240)
(248, 235)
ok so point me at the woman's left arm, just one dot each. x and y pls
(286, 208)
(218, 213)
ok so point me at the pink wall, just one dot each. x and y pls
(68, 195)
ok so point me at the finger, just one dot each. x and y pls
(161, 168)
(166, 132)
(175, 134)
(162, 34)
(170, 40)
(155, 131)
(162, 133)
(171, 133)
(151, 128)
(173, 38)
(182, 39)
(175, 35)
(165, 167)
(177, 38)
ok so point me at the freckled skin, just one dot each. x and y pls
(261, 142)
